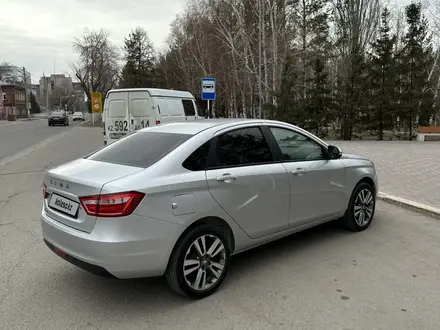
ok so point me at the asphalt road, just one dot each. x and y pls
(18, 136)
(384, 278)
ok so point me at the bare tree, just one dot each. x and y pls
(97, 68)
(4, 69)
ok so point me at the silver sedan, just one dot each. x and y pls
(179, 199)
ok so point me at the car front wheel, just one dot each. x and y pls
(360, 211)
(199, 262)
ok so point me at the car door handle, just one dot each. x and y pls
(299, 172)
(227, 178)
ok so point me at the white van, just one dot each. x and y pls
(128, 110)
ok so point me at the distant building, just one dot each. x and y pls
(14, 75)
(54, 89)
(14, 101)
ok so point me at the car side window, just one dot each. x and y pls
(198, 160)
(295, 146)
(245, 146)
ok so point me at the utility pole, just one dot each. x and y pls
(25, 94)
(46, 86)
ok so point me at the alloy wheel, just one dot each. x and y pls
(363, 207)
(204, 262)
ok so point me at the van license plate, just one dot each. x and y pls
(63, 204)
(117, 135)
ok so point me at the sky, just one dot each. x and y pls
(38, 34)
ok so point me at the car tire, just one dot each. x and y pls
(361, 208)
(211, 268)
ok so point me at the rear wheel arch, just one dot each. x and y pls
(215, 221)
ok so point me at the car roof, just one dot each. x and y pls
(197, 126)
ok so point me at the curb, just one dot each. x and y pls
(84, 123)
(411, 205)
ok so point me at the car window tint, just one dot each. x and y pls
(140, 149)
(244, 146)
(198, 159)
(295, 146)
(188, 106)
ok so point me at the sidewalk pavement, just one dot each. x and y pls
(409, 171)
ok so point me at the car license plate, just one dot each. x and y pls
(63, 204)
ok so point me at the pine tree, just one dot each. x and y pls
(35, 108)
(320, 101)
(139, 69)
(287, 96)
(382, 76)
(415, 62)
(313, 96)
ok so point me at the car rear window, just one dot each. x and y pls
(140, 149)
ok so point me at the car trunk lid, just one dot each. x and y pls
(67, 183)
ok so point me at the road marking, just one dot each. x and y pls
(415, 206)
(27, 151)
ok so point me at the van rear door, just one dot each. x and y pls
(116, 116)
(141, 110)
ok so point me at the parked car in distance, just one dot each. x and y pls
(58, 118)
(180, 199)
(78, 116)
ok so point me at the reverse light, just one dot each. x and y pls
(112, 205)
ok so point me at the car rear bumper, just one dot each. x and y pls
(130, 247)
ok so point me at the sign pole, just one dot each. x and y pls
(209, 112)
(96, 104)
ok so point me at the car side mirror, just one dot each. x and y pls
(334, 152)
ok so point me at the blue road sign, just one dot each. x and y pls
(208, 89)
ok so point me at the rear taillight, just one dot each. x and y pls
(112, 205)
(45, 194)
(157, 122)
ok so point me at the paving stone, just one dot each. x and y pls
(407, 169)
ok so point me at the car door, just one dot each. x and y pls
(247, 183)
(317, 183)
